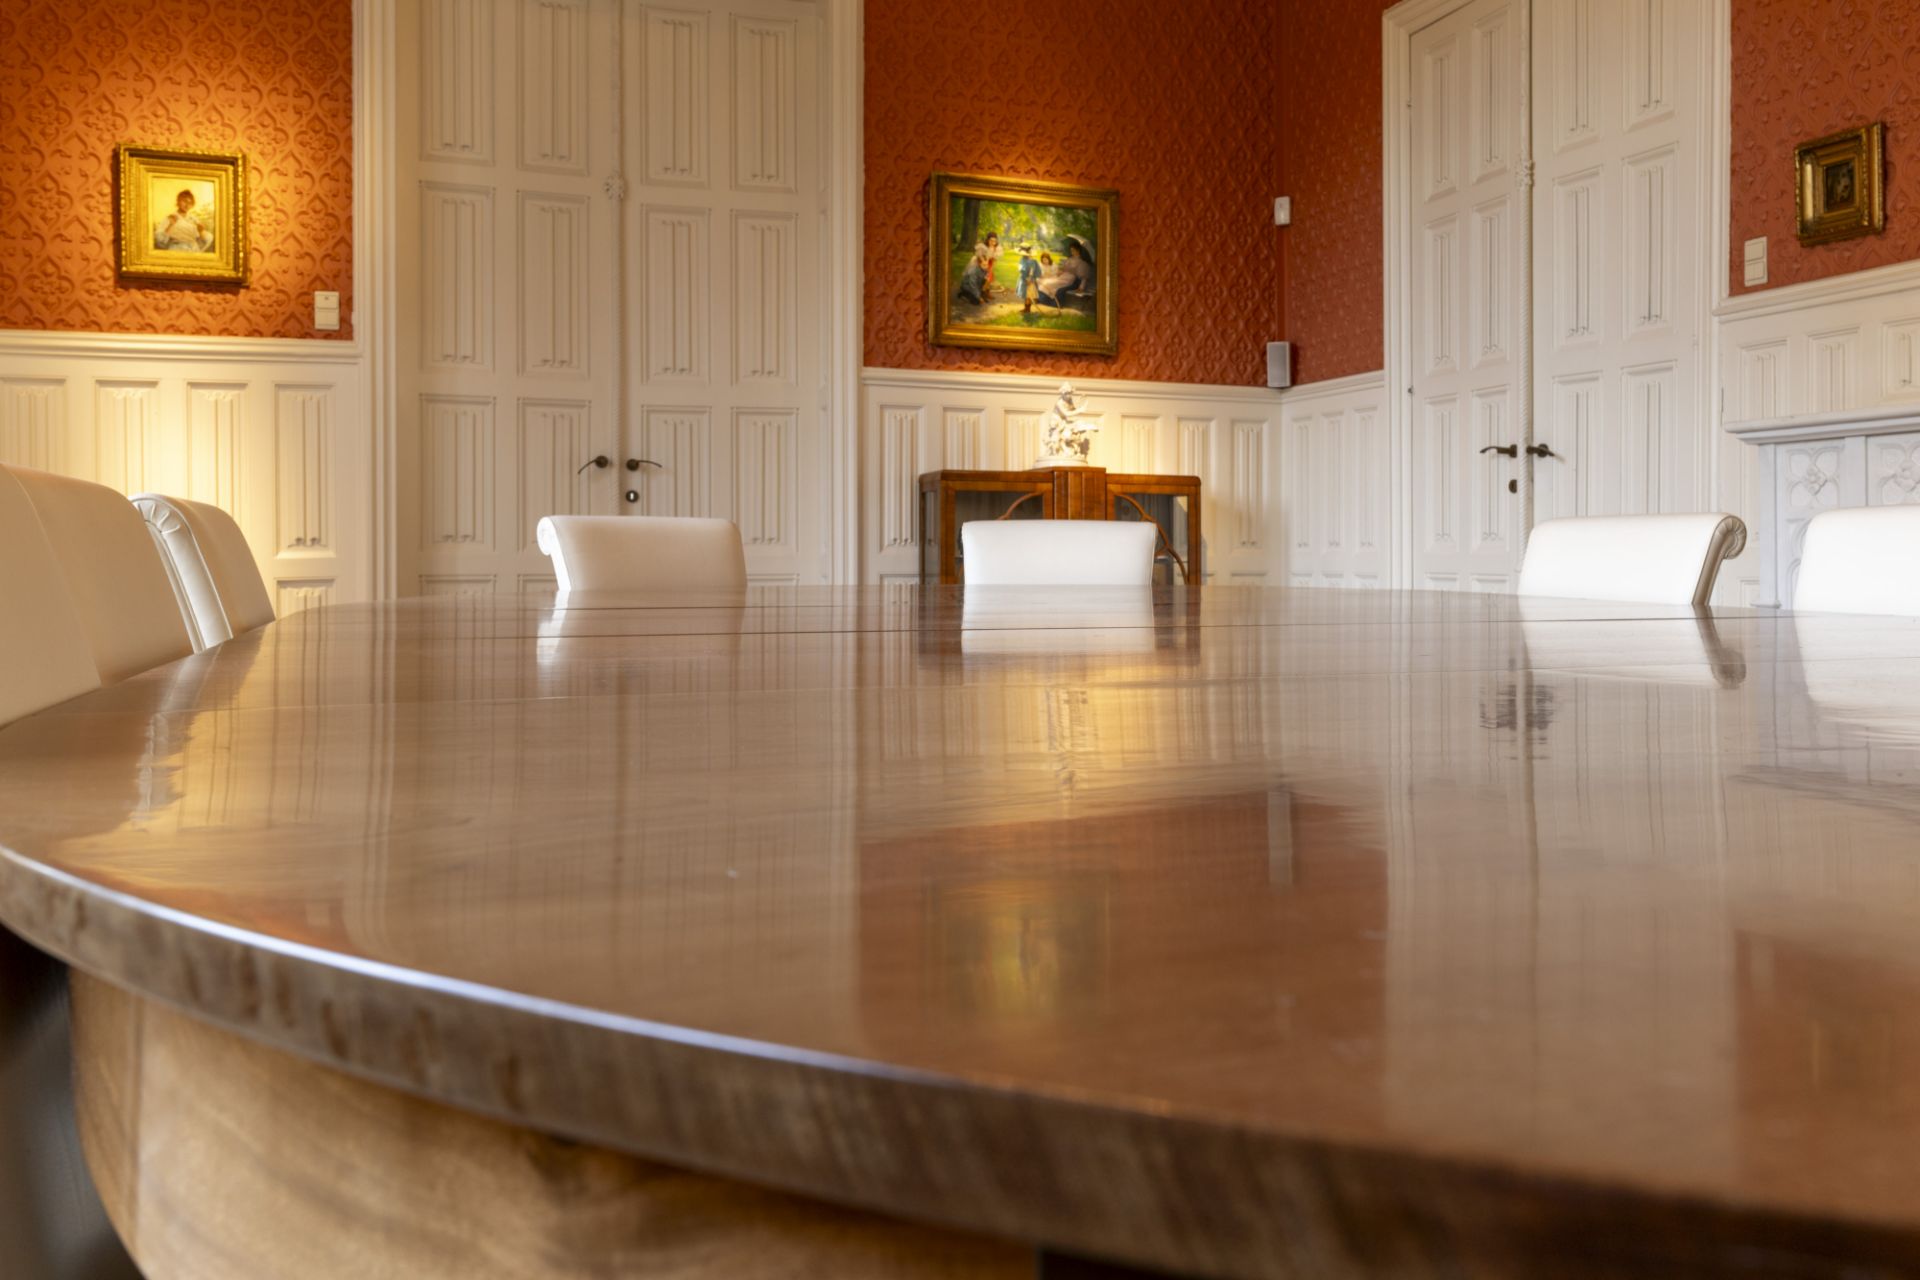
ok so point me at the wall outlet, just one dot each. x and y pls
(326, 310)
(1283, 211)
(1755, 260)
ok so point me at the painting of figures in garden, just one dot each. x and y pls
(1022, 267)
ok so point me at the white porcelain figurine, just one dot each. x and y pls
(1070, 426)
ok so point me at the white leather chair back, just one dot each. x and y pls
(45, 656)
(1641, 559)
(1861, 560)
(1057, 553)
(126, 604)
(51, 1220)
(210, 565)
(642, 553)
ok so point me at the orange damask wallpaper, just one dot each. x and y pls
(1330, 127)
(272, 78)
(1172, 104)
(1804, 68)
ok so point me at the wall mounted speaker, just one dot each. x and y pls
(1279, 364)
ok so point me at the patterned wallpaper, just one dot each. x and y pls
(273, 78)
(1330, 126)
(1171, 104)
(1803, 68)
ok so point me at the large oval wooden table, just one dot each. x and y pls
(871, 932)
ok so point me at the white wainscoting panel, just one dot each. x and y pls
(914, 421)
(259, 427)
(1819, 392)
(1336, 484)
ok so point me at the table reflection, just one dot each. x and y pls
(1596, 897)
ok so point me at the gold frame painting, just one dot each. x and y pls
(181, 215)
(1838, 188)
(1022, 265)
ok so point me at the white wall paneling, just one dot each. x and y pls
(1336, 499)
(1606, 248)
(1621, 391)
(552, 84)
(675, 102)
(1467, 68)
(505, 291)
(915, 421)
(1818, 396)
(555, 273)
(623, 249)
(456, 79)
(254, 426)
(730, 217)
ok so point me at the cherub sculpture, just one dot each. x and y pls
(1070, 425)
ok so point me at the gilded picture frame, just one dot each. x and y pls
(1839, 191)
(181, 215)
(1022, 265)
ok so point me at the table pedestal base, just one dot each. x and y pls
(221, 1159)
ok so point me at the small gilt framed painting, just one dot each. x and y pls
(1021, 265)
(1837, 185)
(182, 214)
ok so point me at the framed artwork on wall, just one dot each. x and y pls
(1021, 265)
(1837, 185)
(182, 214)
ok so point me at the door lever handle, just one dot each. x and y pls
(634, 464)
(1542, 451)
(599, 460)
(1505, 450)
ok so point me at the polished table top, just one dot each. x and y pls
(1176, 929)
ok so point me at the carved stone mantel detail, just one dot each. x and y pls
(1822, 462)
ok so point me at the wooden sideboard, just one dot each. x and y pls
(949, 499)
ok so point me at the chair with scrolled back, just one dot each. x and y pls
(211, 568)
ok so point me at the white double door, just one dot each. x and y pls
(610, 281)
(1620, 282)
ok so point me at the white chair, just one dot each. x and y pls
(211, 567)
(50, 1218)
(1057, 553)
(45, 656)
(1860, 560)
(1637, 559)
(127, 607)
(642, 553)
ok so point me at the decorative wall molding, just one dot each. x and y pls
(1857, 286)
(1334, 389)
(845, 295)
(1887, 420)
(1049, 385)
(1808, 352)
(376, 139)
(553, 85)
(677, 101)
(161, 346)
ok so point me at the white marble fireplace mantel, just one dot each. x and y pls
(1811, 463)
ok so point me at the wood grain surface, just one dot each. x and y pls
(221, 1159)
(1229, 932)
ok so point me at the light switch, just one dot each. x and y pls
(1283, 211)
(326, 310)
(1756, 261)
